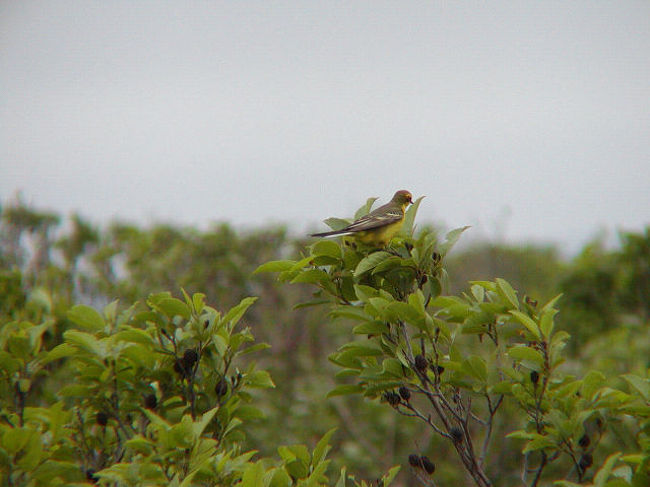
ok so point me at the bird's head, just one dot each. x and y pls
(403, 197)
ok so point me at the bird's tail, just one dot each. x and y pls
(327, 234)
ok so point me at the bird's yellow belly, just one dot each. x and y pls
(379, 236)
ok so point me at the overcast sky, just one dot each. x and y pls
(527, 120)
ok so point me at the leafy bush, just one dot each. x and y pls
(150, 395)
(452, 385)
(457, 363)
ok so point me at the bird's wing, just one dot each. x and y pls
(382, 216)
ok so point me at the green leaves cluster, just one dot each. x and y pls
(455, 362)
(148, 395)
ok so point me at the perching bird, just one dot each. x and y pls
(379, 226)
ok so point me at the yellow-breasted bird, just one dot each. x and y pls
(379, 226)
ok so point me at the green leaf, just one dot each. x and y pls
(139, 444)
(86, 317)
(342, 477)
(172, 307)
(451, 239)
(15, 439)
(591, 382)
(359, 349)
(407, 313)
(345, 390)
(551, 303)
(539, 444)
(317, 475)
(336, 223)
(254, 348)
(528, 322)
(350, 312)
(392, 367)
(313, 302)
(10, 365)
(392, 262)
(476, 367)
(506, 292)
(487, 285)
(454, 307)
(279, 478)
(322, 448)
(85, 341)
(546, 322)
(327, 248)
(390, 475)
(370, 328)
(603, 473)
(134, 335)
(364, 292)
(275, 266)
(32, 455)
(236, 312)
(417, 300)
(478, 292)
(370, 262)
(51, 471)
(296, 458)
(522, 353)
(409, 217)
(310, 276)
(641, 384)
(200, 425)
(198, 301)
(259, 379)
(253, 475)
(522, 435)
(365, 209)
(63, 350)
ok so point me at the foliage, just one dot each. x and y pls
(456, 362)
(153, 395)
(486, 348)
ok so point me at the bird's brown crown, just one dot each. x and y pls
(403, 197)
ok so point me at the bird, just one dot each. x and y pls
(379, 226)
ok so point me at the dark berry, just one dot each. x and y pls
(414, 460)
(179, 368)
(584, 441)
(428, 465)
(392, 398)
(440, 369)
(221, 389)
(189, 358)
(534, 377)
(585, 461)
(90, 475)
(150, 401)
(420, 363)
(405, 393)
(456, 434)
(102, 418)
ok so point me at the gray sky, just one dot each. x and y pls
(527, 120)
